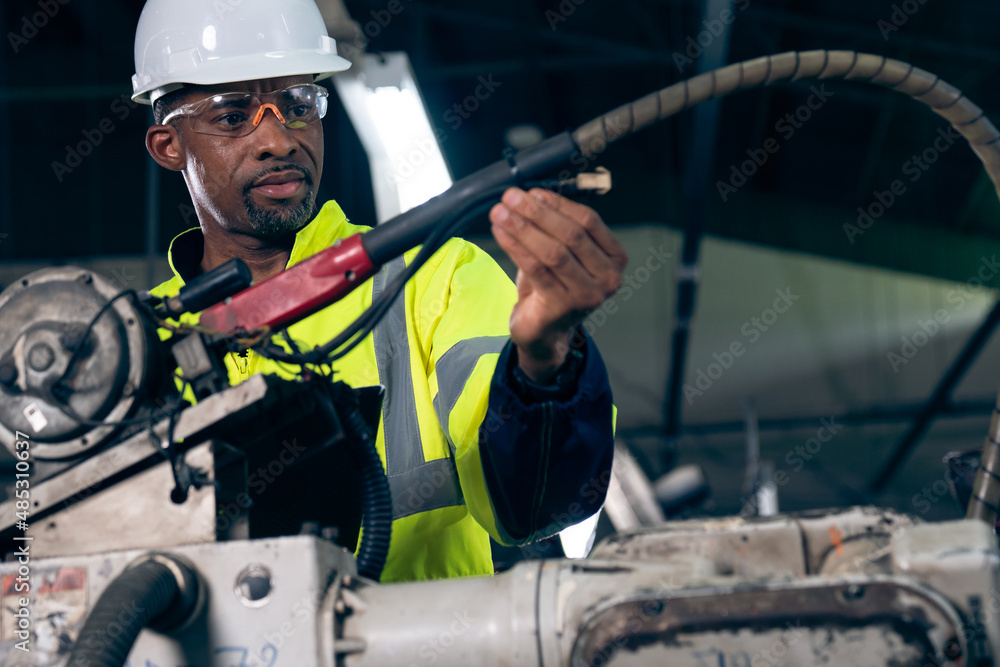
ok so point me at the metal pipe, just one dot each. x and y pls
(938, 399)
(879, 415)
(753, 450)
(706, 123)
(986, 488)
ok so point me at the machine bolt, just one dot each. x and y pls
(253, 585)
(41, 357)
(952, 649)
(71, 339)
(8, 374)
(854, 592)
(652, 607)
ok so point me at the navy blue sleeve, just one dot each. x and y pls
(547, 464)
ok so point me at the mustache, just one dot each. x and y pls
(288, 166)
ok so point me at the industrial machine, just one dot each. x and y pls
(130, 537)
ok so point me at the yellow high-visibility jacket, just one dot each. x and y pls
(435, 352)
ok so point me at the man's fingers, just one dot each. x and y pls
(550, 251)
(589, 220)
(525, 260)
(562, 230)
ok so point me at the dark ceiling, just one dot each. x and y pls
(558, 64)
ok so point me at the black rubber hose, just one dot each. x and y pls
(376, 524)
(136, 597)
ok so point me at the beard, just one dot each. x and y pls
(283, 220)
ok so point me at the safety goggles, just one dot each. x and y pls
(239, 114)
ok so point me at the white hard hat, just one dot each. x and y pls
(204, 43)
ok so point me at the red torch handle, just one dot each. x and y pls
(293, 295)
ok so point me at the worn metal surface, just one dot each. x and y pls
(136, 513)
(298, 601)
(280, 630)
(959, 559)
(735, 545)
(227, 409)
(40, 311)
(906, 622)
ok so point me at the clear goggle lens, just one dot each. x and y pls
(239, 114)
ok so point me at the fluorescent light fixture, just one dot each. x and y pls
(384, 103)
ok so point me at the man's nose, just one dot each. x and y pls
(272, 138)
(260, 114)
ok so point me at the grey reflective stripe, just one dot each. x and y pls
(454, 369)
(404, 450)
(429, 486)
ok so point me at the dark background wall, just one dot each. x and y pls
(75, 181)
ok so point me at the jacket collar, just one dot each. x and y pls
(187, 248)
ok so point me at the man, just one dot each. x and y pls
(498, 416)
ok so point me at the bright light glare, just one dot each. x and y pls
(412, 158)
(578, 539)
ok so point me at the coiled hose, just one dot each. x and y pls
(156, 591)
(376, 522)
(944, 99)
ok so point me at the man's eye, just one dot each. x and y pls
(298, 111)
(231, 119)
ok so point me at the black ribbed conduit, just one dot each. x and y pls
(128, 604)
(376, 522)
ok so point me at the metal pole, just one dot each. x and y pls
(938, 400)
(695, 186)
(878, 415)
(986, 487)
(753, 450)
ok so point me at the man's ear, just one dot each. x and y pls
(164, 144)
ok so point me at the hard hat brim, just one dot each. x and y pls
(264, 66)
